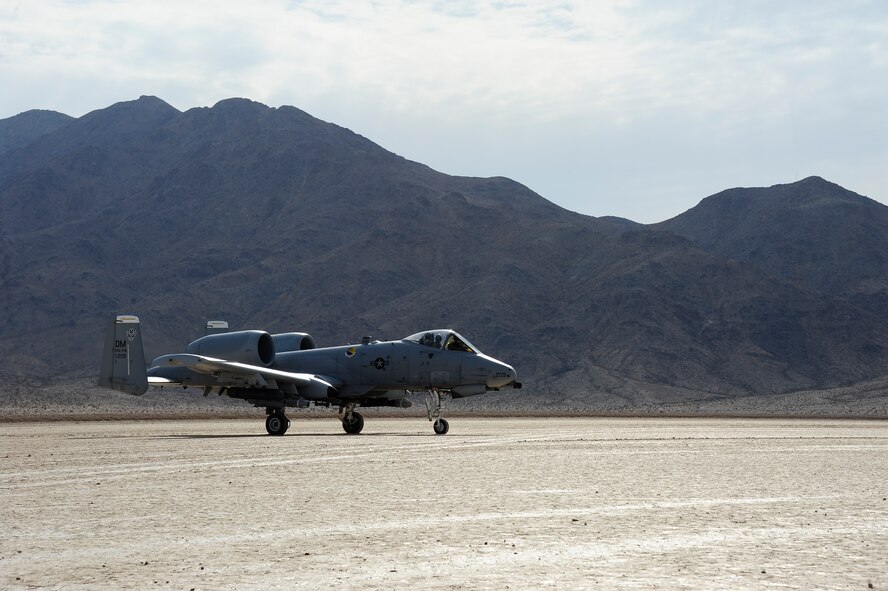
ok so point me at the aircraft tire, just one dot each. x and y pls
(353, 423)
(441, 427)
(277, 423)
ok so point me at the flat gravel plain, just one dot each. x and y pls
(496, 504)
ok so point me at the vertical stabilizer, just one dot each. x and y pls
(216, 327)
(123, 360)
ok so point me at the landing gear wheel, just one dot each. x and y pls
(352, 423)
(435, 404)
(441, 427)
(277, 423)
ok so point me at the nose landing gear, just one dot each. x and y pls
(435, 404)
(441, 427)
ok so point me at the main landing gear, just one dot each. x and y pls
(277, 422)
(435, 404)
(352, 421)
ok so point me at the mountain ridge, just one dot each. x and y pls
(271, 218)
(812, 232)
(22, 129)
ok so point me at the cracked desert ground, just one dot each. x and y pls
(499, 503)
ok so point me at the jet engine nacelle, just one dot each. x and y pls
(255, 347)
(293, 341)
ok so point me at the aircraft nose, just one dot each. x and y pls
(503, 374)
(513, 378)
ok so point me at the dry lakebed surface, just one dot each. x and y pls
(498, 503)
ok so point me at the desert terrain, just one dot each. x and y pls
(496, 504)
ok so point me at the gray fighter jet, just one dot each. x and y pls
(280, 370)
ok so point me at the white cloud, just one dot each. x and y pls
(657, 103)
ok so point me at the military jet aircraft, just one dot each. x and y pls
(280, 370)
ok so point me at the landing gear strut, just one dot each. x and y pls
(435, 404)
(352, 421)
(277, 422)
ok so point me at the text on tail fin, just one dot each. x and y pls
(123, 359)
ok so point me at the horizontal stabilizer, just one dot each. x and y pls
(161, 382)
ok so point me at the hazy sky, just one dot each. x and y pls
(630, 108)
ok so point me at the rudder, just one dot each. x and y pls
(123, 360)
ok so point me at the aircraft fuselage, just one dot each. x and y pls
(287, 369)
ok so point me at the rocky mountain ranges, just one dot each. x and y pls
(270, 218)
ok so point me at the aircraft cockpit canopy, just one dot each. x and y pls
(445, 339)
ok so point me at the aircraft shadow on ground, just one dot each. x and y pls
(265, 435)
(242, 435)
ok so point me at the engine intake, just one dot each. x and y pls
(255, 347)
(293, 341)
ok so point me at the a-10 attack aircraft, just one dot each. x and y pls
(281, 370)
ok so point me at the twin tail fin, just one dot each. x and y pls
(123, 359)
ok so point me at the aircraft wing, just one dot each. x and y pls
(242, 372)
